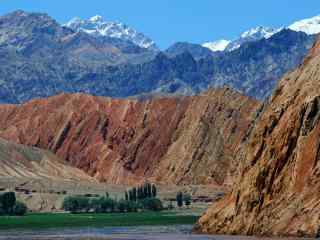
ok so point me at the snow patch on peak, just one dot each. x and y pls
(260, 32)
(309, 26)
(97, 26)
(215, 46)
(96, 18)
(252, 35)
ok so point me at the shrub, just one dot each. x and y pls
(76, 204)
(122, 205)
(70, 204)
(133, 206)
(95, 204)
(187, 199)
(103, 205)
(107, 204)
(170, 206)
(152, 204)
(19, 209)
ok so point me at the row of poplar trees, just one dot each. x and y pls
(144, 191)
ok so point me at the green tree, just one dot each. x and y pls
(149, 190)
(95, 204)
(134, 193)
(127, 195)
(152, 204)
(108, 205)
(154, 191)
(132, 206)
(75, 204)
(187, 199)
(145, 191)
(19, 209)
(84, 205)
(140, 193)
(8, 200)
(70, 204)
(179, 199)
(122, 206)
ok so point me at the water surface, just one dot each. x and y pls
(179, 232)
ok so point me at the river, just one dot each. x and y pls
(181, 232)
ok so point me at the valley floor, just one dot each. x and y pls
(46, 195)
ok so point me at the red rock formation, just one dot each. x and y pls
(174, 140)
(278, 188)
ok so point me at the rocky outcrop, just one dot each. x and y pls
(172, 140)
(277, 192)
(22, 162)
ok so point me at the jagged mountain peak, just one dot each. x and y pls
(98, 26)
(253, 34)
(309, 26)
(259, 32)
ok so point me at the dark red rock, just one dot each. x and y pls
(175, 140)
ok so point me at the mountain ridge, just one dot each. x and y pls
(310, 26)
(40, 58)
(127, 141)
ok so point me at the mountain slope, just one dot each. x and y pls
(97, 26)
(175, 140)
(277, 191)
(18, 161)
(196, 50)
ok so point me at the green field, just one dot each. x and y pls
(61, 220)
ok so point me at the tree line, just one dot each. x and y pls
(142, 192)
(135, 199)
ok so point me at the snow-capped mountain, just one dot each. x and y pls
(99, 27)
(309, 26)
(251, 35)
(219, 45)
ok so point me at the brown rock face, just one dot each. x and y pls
(172, 140)
(278, 188)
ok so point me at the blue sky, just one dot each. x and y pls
(169, 21)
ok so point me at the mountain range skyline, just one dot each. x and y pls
(167, 22)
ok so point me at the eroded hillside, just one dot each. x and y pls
(278, 188)
(173, 140)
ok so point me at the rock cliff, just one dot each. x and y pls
(277, 192)
(174, 140)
